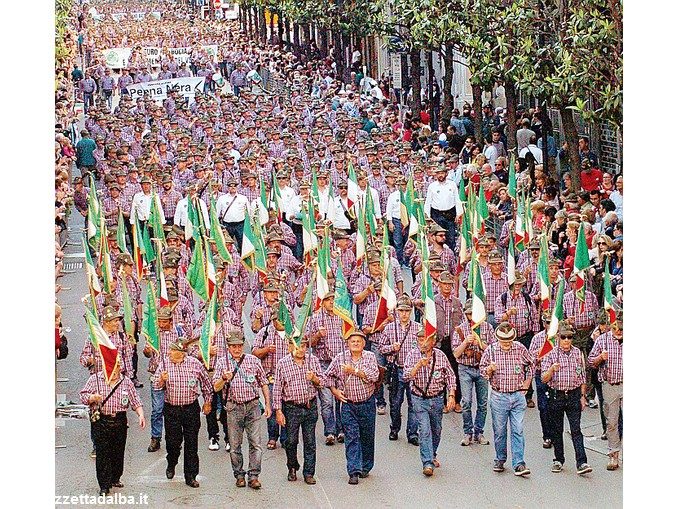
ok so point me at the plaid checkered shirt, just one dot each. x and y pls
(494, 287)
(331, 345)
(472, 354)
(186, 380)
(245, 384)
(439, 373)
(169, 200)
(355, 389)
(270, 336)
(536, 345)
(395, 332)
(291, 384)
(572, 372)
(611, 370)
(167, 337)
(583, 318)
(513, 367)
(123, 397)
(526, 318)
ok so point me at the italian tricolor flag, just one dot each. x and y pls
(309, 237)
(361, 239)
(93, 215)
(581, 264)
(322, 268)
(465, 243)
(149, 324)
(92, 278)
(478, 313)
(543, 275)
(342, 302)
(519, 226)
(192, 229)
(556, 318)
(387, 296)
(156, 220)
(209, 327)
(511, 263)
(607, 294)
(210, 271)
(162, 283)
(252, 251)
(102, 344)
(277, 199)
(196, 274)
(217, 235)
(105, 256)
(430, 322)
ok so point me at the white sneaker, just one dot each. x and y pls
(214, 444)
(228, 447)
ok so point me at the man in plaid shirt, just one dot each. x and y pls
(495, 281)
(183, 379)
(326, 337)
(110, 431)
(430, 374)
(295, 394)
(352, 378)
(607, 356)
(397, 340)
(468, 347)
(583, 317)
(508, 366)
(240, 377)
(564, 370)
(516, 307)
(169, 197)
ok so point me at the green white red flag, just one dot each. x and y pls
(361, 239)
(155, 219)
(196, 275)
(478, 312)
(149, 324)
(305, 310)
(352, 197)
(543, 274)
(322, 268)
(162, 283)
(105, 256)
(209, 327)
(277, 199)
(511, 261)
(607, 294)
(581, 264)
(519, 226)
(342, 302)
(217, 234)
(387, 296)
(309, 237)
(252, 252)
(210, 271)
(92, 278)
(430, 322)
(556, 318)
(102, 345)
(192, 228)
(93, 215)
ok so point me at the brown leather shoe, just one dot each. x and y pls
(309, 479)
(292, 475)
(428, 471)
(613, 463)
(254, 484)
(193, 483)
(240, 482)
(530, 403)
(155, 444)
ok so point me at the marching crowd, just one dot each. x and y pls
(302, 199)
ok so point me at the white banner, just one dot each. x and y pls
(156, 15)
(181, 55)
(117, 58)
(138, 16)
(152, 54)
(213, 51)
(118, 16)
(157, 90)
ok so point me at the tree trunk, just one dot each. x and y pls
(346, 54)
(324, 42)
(448, 78)
(572, 139)
(477, 91)
(288, 38)
(271, 26)
(295, 38)
(511, 104)
(431, 78)
(415, 79)
(338, 54)
(280, 30)
(262, 25)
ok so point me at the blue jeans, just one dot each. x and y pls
(398, 237)
(374, 348)
(274, 430)
(448, 224)
(330, 408)
(157, 405)
(542, 402)
(396, 395)
(359, 421)
(429, 413)
(468, 378)
(508, 407)
(306, 419)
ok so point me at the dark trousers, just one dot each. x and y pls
(397, 391)
(213, 422)
(525, 340)
(298, 231)
(182, 423)
(135, 355)
(559, 405)
(110, 437)
(235, 231)
(542, 405)
(359, 420)
(305, 418)
(446, 220)
(446, 347)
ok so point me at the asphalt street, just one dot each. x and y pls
(464, 479)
